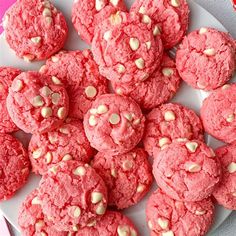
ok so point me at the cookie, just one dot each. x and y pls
(14, 166)
(160, 87)
(225, 193)
(114, 124)
(87, 14)
(168, 122)
(32, 221)
(73, 195)
(7, 75)
(65, 143)
(187, 170)
(125, 49)
(206, 59)
(78, 72)
(218, 113)
(166, 216)
(112, 224)
(170, 18)
(128, 176)
(35, 104)
(34, 29)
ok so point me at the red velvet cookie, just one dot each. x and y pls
(168, 217)
(14, 166)
(35, 104)
(206, 59)
(35, 29)
(87, 14)
(65, 143)
(128, 176)
(168, 122)
(157, 89)
(218, 113)
(225, 193)
(32, 221)
(78, 72)
(170, 18)
(73, 195)
(7, 75)
(187, 170)
(114, 124)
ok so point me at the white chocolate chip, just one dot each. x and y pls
(47, 4)
(168, 233)
(123, 230)
(47, 12)
(54, 59)
(46, 91)
(92, 223)
(43, 234)
(37, 153)
(42, 69)
(81, 171)
(140, 63)
(150, 225)
(127, 165)
(181, 139)
(119, 91)
(96, 197)
(234, 194)
(230, 118)
(134, 44)
(128, 116)
(48, 20)
(114, 2)
(226, 86)
(142, 10)
(156, 30)
(28, 57)
(202, 30)
(164, 224)
(67, 157)
(209, 52)
(52, 139)
(115, 19)
(175, 3)
(107, 35)
(99, 4)
(144, 77)
(133, 232)
(146, 19)
(56, 98)
(193, 167)
(102, 109)
(114, 119)
(140, 188)
(232, 167)
(93, 111)
(169, 116)
(167, 72)
(148, 44)
(92, 120)
(18, 85)
(38, 101)
(121, 69)
(39, 224)
(136, 122)
(192, 146)
(46, 112)
(114, 173)
(64, 130)
(77, 212)
(201, 85)
(164, 141)
(55, 80)
(200, 213)
(75, 228)
(36, 39)
(90, 91)
(48, 157)
(61, 113)
(53, 170)
(35, 201)
(100, 210)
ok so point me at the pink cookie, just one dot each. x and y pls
(35, 104)
(168, 122)
(225, 193)
(32, 221)
(218, 113)
(206, 59)
(157, 89)
(73, 195)
(112, 224)
(14, 166)
(35, 29)
(170, 18)
(7, 75)
(128, 176)
(80, 75)
(166, 216)
(187, 171)
(114, 124)
(65, 143)
(125, 49)
(87, 14)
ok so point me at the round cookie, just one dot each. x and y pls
(35, 104)
(14, 166)
(206, 59)
(168, 122)
(168, 217)
(225, 193)
(73, 195)
(128, 176)
(157, 89)
(87, 14)
(114, 124)
(34, 29)
(218, 113)
(7, 75)
(32, 221)
(125, 49)
(187, 170)
(65, 143)
(79, 73)
(170, 18)
(112, 224)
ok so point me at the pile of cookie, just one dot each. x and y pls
(91, 139)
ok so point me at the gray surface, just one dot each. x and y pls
(223, 11)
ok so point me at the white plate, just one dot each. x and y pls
(187, 96)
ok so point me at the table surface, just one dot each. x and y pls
(224, 12)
